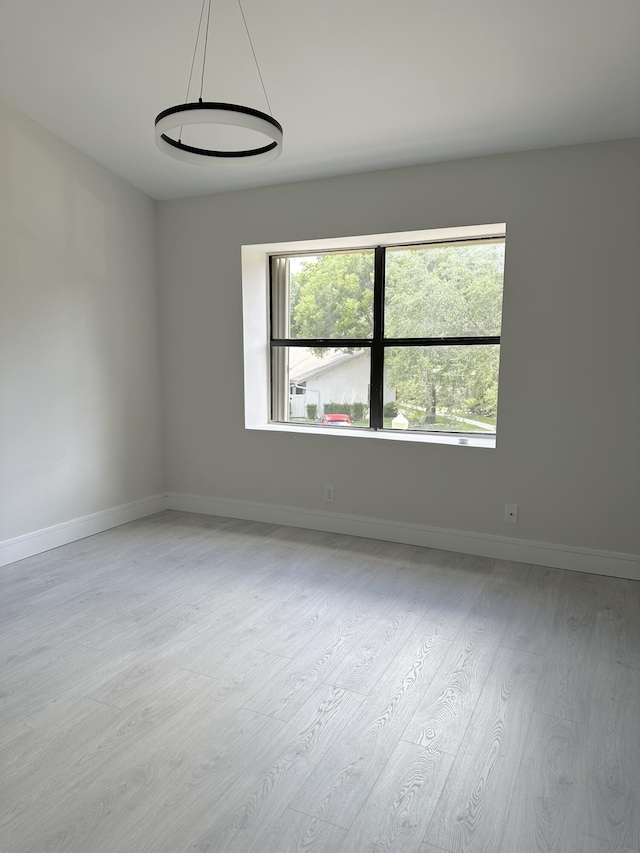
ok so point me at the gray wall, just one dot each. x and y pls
(80, 412)
(569, 408)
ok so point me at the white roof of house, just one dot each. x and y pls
(304, 364)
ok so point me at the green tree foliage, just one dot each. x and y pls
(460, 380)
(439, 291)
(431, 291)
(332, 297)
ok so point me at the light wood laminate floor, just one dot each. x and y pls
(187, 683)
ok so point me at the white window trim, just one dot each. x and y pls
(255, 309)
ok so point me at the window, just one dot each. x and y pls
(393, 337)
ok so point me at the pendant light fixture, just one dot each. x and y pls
(216, 113)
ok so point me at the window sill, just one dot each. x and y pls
(474, 440)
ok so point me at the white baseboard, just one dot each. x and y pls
(499, 547)
(69, 531)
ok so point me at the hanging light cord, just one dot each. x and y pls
(195, 50)
(206, 40)
(204, 57)
(254, 57)
(193, 61)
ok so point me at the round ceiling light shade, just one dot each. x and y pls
(211, 112)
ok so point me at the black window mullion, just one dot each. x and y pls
(333, 343)
(438, 342)
(387, 342)
(376, 402)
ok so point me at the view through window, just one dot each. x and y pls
(392, 337)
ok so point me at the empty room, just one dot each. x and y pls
(319, 418)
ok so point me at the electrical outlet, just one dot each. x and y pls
(511, 513)
(329, 494)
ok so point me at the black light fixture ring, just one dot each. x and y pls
(237, 108)
(217, 112)
(206, 152)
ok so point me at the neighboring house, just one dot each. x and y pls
(337, 377)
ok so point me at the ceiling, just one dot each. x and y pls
(358, 85)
